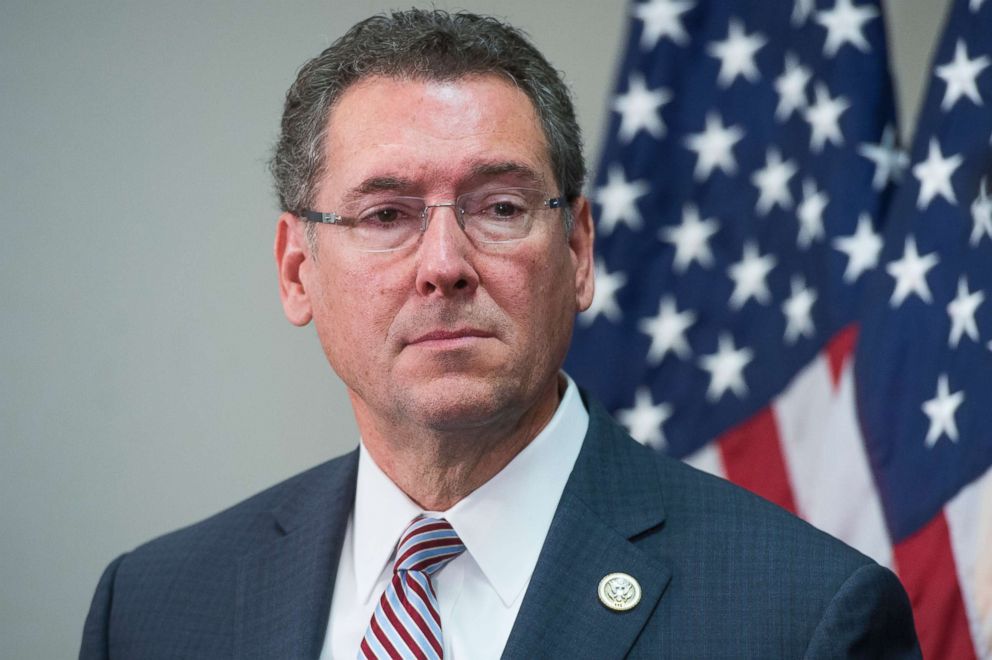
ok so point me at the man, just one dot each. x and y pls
(434, 231)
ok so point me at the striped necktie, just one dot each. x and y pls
(406, 622)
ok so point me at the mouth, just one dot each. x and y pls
(449, 338)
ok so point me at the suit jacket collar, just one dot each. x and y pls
(612, 497)
(284, 588)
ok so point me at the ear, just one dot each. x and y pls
(292, 253)
(581, 244)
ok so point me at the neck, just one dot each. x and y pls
(435, 467)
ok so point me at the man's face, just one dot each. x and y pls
(445, 332)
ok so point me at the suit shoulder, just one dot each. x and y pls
(175, 591)
(794, 590)
(229, 531)
(701, 502)
(704, 515)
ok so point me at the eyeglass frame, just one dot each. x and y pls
(333, 218)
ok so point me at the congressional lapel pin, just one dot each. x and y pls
(619, 592)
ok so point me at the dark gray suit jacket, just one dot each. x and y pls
(724, 574)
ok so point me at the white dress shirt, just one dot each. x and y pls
(503, 524)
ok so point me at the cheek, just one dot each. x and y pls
(543, 297)
(355, 311)
(373, 303)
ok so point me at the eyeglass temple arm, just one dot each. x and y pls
(326, 218)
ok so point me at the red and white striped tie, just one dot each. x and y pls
(406, 622)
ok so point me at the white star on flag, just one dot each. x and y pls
(645, 419)
(801, 12)
(662, 18)
(975, 5)
(960, 75)
(824, 118)
(604, 298)
(667, 331)
(791, 87)
(798, 311)
(726, 368)
(941, 410)
(691, 239)
(935, 176)
(772, 182)
(844, 24)
(890, 161)
(810, 214)
(910, 273)
(714, 147)
(962, 312)
(640, 109)
(981, 215)
(736, 54)
(618, 200)
(749, 276)
(862, 249)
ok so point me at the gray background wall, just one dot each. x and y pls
(147, 376)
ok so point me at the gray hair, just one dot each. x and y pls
(420, 45)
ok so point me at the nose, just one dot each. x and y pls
(445, 253)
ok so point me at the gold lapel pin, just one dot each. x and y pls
(619, 592)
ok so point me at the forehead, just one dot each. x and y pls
(434, 135)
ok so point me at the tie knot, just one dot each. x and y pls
(427, 545)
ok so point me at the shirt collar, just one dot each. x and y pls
(382, 513)
(503, 523)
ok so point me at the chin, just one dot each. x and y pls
(460, 402)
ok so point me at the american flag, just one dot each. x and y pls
(787, 299)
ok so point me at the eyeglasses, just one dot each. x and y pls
(381, 223)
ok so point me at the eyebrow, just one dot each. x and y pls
(478, 171)
(378, 184)
(485, 169)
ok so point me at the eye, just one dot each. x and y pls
(390, 213)
(385, 216)
(505, 209)
(499, 205)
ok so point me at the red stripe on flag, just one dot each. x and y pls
(925, 564)
(752, 457)
(839, 349)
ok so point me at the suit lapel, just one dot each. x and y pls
(612, 496)
(284, 589)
